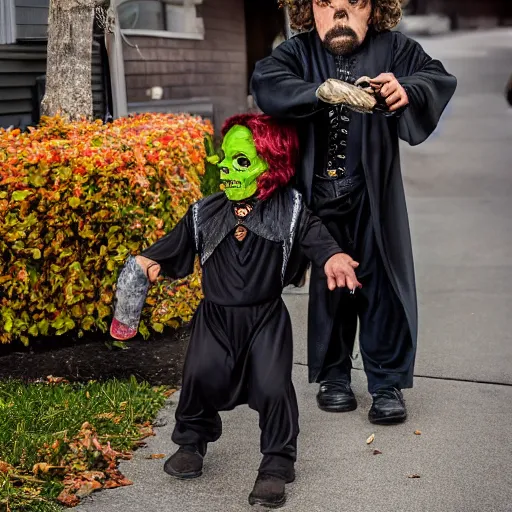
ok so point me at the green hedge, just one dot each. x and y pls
(75, 201)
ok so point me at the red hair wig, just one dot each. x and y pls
(275, 142)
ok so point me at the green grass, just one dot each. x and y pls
(32, 415)
(23, 498)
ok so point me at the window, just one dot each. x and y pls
(7, 22)
(161, 18)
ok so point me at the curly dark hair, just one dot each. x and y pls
(386, 14)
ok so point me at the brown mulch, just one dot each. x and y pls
(158, 360)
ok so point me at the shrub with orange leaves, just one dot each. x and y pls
(75, 201)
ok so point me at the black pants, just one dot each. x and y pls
(241, 355)
(385, 340)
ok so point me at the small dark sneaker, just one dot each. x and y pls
(336, 396)
(268, 491)
(388, 407)
(186, 463)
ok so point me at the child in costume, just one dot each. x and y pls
(249, 240)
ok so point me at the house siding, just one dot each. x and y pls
(214, 68)
(22, 63)
(31, 19)
(20, 66)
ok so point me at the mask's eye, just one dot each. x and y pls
(243, 161)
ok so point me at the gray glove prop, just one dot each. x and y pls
(132, 289)
(358, 97)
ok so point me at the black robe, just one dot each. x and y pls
(284, 86)
(240, 348)
(280, 230)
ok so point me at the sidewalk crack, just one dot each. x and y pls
(449, 379)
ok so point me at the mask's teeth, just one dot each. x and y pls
(232, 184)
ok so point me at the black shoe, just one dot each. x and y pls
(388, 407)
(336, 396)
(268, 491)
(290, 477)
(186, 463)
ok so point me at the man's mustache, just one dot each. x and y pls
(340, 31)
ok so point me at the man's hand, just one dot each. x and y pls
(339, 270)
(390, 89)
(150, 267)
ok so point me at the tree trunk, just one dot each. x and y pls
(68, 76)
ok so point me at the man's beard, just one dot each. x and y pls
(344, 46)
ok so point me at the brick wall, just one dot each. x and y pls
(215, 67)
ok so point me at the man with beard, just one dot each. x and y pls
(350, 176)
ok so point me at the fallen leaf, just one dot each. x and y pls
(41, 467)
(56, 380)
(87, 394)
(146, 430)
(87, 488)
(4, 467)
(417, 432)
(377, 452)
(157, 456)
(105, 416)
(97, 444)
(93, 475)
(123, 405)
(414, 476)
(116, 479)
(120, 344)
(169, 393)
(370, 439)
(68, 499)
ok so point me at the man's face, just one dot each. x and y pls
(342, 24)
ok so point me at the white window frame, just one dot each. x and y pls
(7, 22)
(199, 35)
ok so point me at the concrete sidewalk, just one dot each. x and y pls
(463, 457)
(459, 185)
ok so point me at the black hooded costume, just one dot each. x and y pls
(350, 177)
(240, 348)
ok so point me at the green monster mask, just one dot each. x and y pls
(240, 165)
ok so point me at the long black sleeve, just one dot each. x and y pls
(428, 85)
(176, 251)
(315, 240)
(278, 84)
